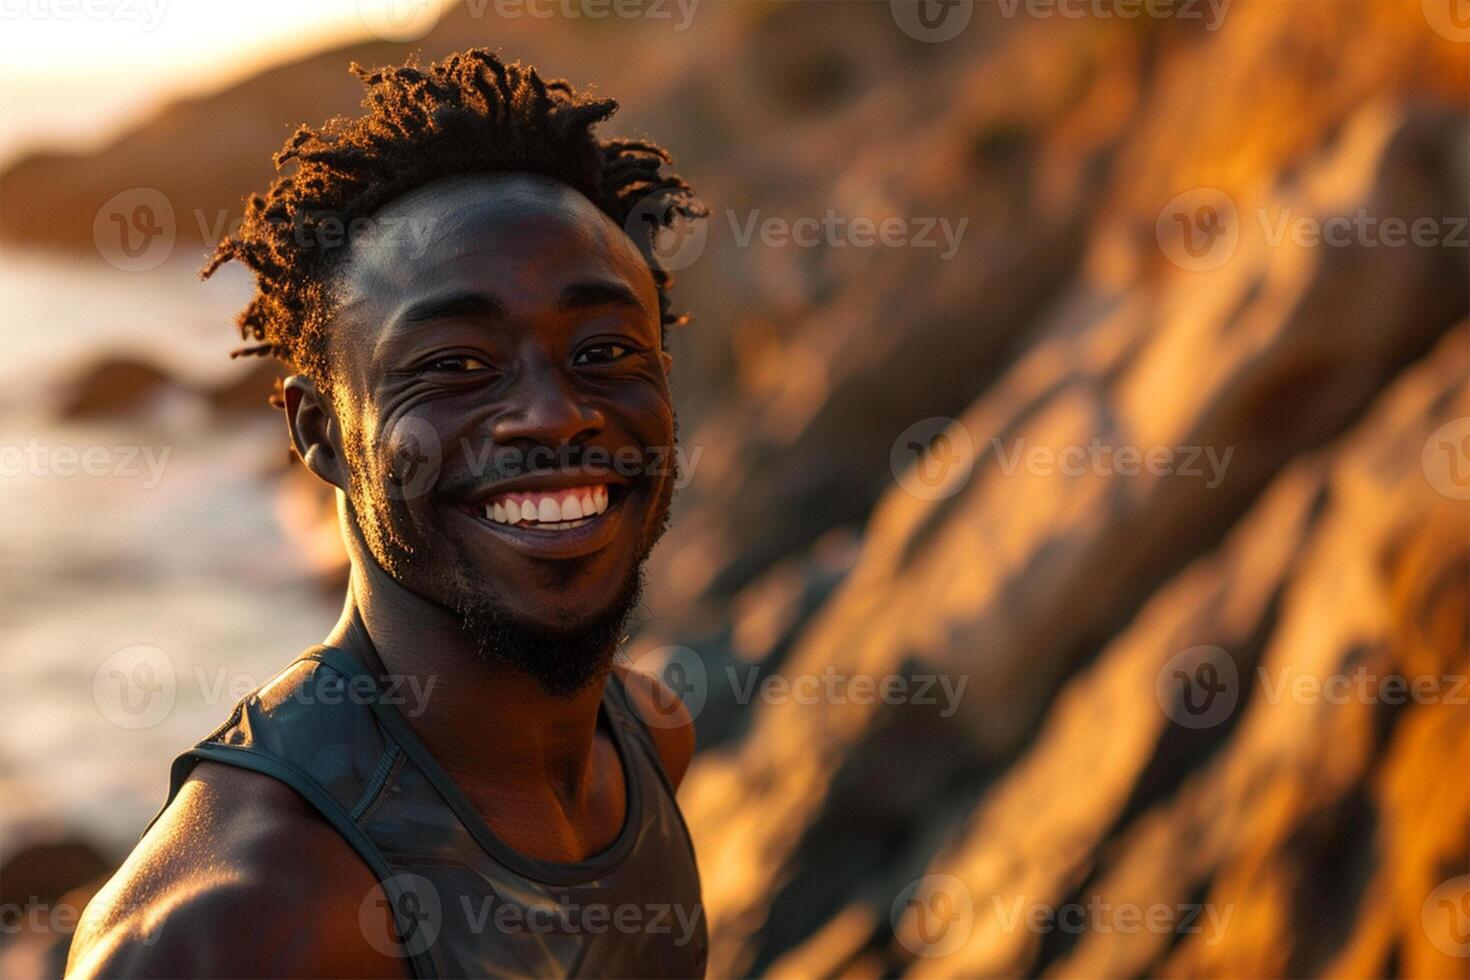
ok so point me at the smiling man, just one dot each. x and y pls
(478, 368)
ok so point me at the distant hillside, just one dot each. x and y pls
(206, 153)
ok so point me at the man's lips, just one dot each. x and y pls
(561, 516)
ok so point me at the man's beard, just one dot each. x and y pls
(562, 660)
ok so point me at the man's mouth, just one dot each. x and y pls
(566, 516)
(552, 510)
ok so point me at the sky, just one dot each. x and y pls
(73, 72)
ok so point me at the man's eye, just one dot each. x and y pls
(601, 354)
(457, 364)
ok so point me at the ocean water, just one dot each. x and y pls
(148, 577)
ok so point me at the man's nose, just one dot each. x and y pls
(545, 409)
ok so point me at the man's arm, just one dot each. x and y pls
(240, 877)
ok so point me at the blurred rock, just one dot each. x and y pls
(821, 815)
(47, 870)
(249, 391)
(113, 386)
(1351, 571)
(116, 386)
(44, 886)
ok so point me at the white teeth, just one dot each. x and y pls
(557, 510)
(565, 525)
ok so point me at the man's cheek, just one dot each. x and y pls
(412, 457)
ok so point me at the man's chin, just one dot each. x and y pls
(564, 650)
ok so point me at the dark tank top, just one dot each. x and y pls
(462, 902)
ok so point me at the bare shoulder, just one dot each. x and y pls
(239, 877)
(666, 717)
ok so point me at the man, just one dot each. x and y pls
(478, 361)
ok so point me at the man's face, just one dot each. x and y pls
(505, 412)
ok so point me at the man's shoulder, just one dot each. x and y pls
(664, 715)
(239, 876)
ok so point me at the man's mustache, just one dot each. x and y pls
(487, 466)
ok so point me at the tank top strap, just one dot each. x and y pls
(310, 728)
(631, 719)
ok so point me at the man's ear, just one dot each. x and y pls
(668, 360)
(314, 431)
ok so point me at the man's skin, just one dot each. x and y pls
(240, 876)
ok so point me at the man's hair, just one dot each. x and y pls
(471, 113)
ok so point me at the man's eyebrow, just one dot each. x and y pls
(450, 306)
(600, 292)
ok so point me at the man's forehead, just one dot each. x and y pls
(483, 222)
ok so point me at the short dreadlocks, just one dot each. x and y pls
(471, 113)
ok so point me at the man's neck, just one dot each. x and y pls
(490, 725)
